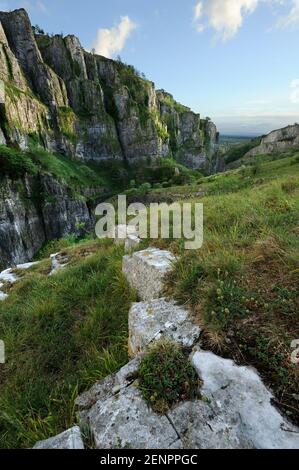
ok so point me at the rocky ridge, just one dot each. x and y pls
(89, 107)
(279, 140)
(235, 410)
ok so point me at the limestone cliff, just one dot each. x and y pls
(279, 140)
(35, 210)
(90, 107)
(57, 96)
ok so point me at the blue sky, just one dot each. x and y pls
(233, 60)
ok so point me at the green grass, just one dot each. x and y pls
(167, 377)
(15, 163)
(243, 285)
(62, 334)
(238, 151)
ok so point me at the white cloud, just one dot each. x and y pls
(197, 11)
(226, 17)
(291, 19)
(112, 41)
(295, 91)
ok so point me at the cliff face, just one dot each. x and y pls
(278, 141)
(55, 95)
(34, 210)
(90, 107)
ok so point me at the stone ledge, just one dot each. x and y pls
(145, 271)
(70, 439)
(149, 321)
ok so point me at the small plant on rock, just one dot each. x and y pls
(166, 376)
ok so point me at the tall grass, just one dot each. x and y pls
(61, 334)
(243, 285)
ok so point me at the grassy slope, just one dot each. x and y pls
(243, 285)
(62, 334)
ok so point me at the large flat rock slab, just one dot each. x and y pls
(125, 421)
(244, 403)
(110, 386)
(119, 417)
(145, 271)
(70, 439)
(203, 426)
(149, 321)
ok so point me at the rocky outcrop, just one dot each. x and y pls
(35, 210)
(9, 277)
(150, 321)
(235, 410)
(145, 270)
(68, 440)
(87, 106)
(280, 140)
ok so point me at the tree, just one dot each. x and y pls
(37, 29)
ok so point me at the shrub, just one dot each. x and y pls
(15, 163)
(226, 303)
(166, 376)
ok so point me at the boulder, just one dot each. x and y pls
(110, 386)
(145, 271)
(125, 421)
(59, 261)
(132, 241)
(244, 404)
(149, 321)
(70, 439)
(119, 417)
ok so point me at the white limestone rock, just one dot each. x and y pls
(132, 241)
(119, 417)
(202, 426)
(70, 439)
(145, 271)
(126, 421)
(59, 261)
(3, 296)
(244, 403)
(26, 266)
(8, 276)
(149, 321)
(110, 385)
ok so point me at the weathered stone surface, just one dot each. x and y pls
(8, 276)
(43, 80)
(59, 261)
(26, 222)
(152, 320)
(244, 404)
(109, 386)
(132, 241)
(202, 426)
(126, 421)
(279, 140)
(70, 439)
(89, 106)
(145, 271)
(193, 141)
(3, 296)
